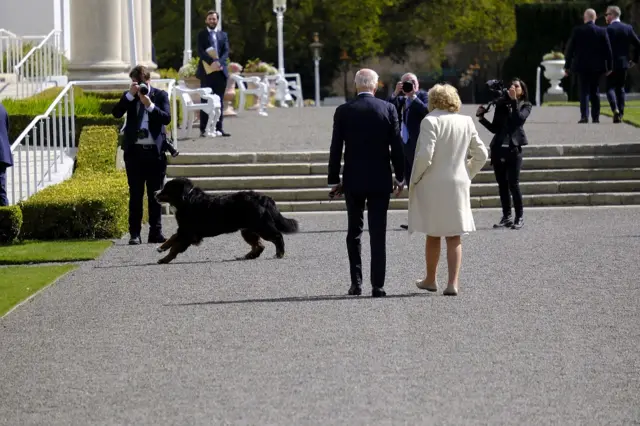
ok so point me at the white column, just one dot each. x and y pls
(124, 40)
(96, 50)
(66, 24)
(186, 57)
(219, 10)
(145, 36)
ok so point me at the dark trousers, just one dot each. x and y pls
(615, 90)
(589, 91)
(377, 206)
(507, 163)
(4, 201)
(218, 84)
(144, 167)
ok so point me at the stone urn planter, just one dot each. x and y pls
(554, 72)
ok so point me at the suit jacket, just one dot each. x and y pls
(418, 109)
(622, 37)
(366, 126)
(158, 118)
(204, 42)
(589, 50)
(6, 158)
(508, 122)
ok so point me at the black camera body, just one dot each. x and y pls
(143, 88)
(498, 91)
(407, 87)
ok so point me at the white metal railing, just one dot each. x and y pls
(50, 138)
(13, 48)
(37, 67)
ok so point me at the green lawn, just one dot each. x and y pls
(631, 113)
(19, 282)
(51, 251)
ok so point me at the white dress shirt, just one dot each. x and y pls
(145, 120)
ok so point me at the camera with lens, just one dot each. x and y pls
(407, 87)
(143, 88)
(143, 134)
(499, 94)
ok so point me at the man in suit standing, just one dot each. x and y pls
(367, 127)
(148, 113)
(621, 37)
(589, 55)
(213, 48)
(6, 159)
(412, 105)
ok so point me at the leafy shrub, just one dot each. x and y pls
(92, 204)
(10, 223)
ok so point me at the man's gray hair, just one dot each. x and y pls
(409, 76)
(367, 79)
(615, 11)
(591, 13)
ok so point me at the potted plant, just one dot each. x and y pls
(553, 63)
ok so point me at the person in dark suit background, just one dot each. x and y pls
(621, 37)
(144, 150)
(412, 108)
(366, 127)
(589, 55)
(6, 159)
(216, 80)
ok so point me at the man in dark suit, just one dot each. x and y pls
(366, 127)
(589, 55)
(6, 159)
(412, 107)
(144, 150)
(621, 37)
(213, 48)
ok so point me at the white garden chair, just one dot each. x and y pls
(295, 88)
(212, 107)
(260, 90)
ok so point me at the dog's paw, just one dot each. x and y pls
(279, 255)
(159, 249)
(163, 261)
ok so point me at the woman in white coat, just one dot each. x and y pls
(439, 191)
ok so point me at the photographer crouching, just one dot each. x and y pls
(512, 110)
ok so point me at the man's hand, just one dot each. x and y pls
(566, 72)
(216, 65)
(398, 89)
(336, 191)
(512, 93)
(397, 187)
(133, 89)
(145, 100)
(631, 64)
(608, 73)
(481, 111)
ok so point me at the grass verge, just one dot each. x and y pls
(51, 251)
(17, 283)
(631, 113)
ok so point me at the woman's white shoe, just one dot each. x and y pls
(422, 284)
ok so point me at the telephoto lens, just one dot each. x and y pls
(407, 87)
(144, 89)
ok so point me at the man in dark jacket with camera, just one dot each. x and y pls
(144, 145)
(411, 104)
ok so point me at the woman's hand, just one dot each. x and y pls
(512, 93)
(481, 111)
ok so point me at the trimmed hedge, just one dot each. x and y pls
(10, 224)
(92, 204)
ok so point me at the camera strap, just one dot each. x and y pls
(141, 111)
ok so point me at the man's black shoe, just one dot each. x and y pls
(505, 222)
(156, 239)
(355, 290)
(378, 292)
(135, 240)
(225, 134)
(519, 223)
(617, 117)
(583, 121)
(404, 227)
(595, 121)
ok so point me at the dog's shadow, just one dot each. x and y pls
(191, 262)
(319, 298)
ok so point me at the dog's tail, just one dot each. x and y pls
(284, 225)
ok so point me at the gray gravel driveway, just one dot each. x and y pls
(544, 331)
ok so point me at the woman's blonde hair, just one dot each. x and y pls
(444, 97)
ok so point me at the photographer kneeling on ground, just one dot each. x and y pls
(506, 149)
